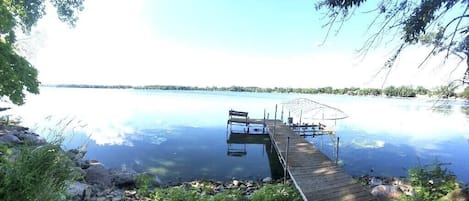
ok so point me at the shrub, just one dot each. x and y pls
(143, 183)
(431, 182)
(35, 173)
(276, 192)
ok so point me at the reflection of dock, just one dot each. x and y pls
(237, 147)
(314, 174)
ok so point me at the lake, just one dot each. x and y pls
(182, 135)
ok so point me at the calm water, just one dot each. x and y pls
(181, 135)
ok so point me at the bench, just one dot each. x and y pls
(243, 115)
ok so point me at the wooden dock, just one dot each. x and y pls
(315, 176)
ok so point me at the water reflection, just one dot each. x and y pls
(236, 147)
(465, 110)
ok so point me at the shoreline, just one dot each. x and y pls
(252, 89)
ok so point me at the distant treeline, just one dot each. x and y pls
(391, 91)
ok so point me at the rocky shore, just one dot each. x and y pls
(98, 183)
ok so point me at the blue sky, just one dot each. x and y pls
(262, 27)
(217, 43)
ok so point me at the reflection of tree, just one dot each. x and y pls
(443, 107)
(465, 110)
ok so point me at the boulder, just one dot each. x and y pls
(10, 138)
(75, 154)
(375, 181)
(98, 174)
(123, 177)
(386, 192)
(79, 191)
(457, 195)
(236, 182)
(267, 180)
(88, 163)
(31, 138)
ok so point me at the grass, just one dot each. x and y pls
(34, 173)
(276, 192)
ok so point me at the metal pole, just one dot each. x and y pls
(275, 118)
(286, 161)
(337, 152)
(264, 115)
(263, 128)
(281, 116)
(301, 114)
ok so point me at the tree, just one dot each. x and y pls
(17, 75)
(465, 93)
(441, 24)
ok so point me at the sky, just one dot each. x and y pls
(264, 43)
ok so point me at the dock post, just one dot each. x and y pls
(275, 119)
(301, 116)
(263, 129)
(281, 115)
(264, 115)
(285, 168)
(227, 132)
(337, 152)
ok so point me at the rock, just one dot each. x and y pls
(250, 183)
(79, 191)
(101, 199)
(219, 188)
(116, 198)
(31, 138)
(130, 193)
(267, 180)
(385, 192)
(98, 174)
(457, 195)
(123, 177)
(88, 163)
(242, 187)
(375, 181)
(75, 154)
(10, 138)
(407, 189)
(236, 182)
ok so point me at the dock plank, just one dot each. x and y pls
(316, 177)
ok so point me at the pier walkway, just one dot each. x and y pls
(315, 176)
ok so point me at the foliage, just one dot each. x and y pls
(270, 192)
(16, 73)
(34, 173)
(143, 183)
(465, 93)
(431, 182)
(441, 24)
(400, 91)
(175, 194)
(276, 192)
(446, 91)
(391, 91)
